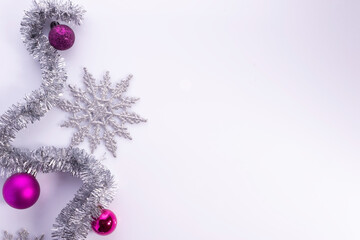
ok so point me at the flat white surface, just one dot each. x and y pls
(253, 109)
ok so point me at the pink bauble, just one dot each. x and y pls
(106, 223)
(21, 190)
(61, 37)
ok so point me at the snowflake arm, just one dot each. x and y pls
(21, 235)
(99, 113)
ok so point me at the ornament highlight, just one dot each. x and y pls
(21, 190)
(106, 223)
(61, 37)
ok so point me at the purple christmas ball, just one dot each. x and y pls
(106, 223)
(21, 190)
(61, 37)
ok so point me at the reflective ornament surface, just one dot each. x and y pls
(21, 190)
(106, 223)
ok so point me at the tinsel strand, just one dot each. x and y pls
(74, 221)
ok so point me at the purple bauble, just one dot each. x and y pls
(61, 37)
(21, 190)
(106, 223)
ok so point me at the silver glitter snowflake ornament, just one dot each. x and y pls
(100, 112)
(21, 235)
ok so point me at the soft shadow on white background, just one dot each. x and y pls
(253, 109)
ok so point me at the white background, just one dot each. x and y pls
(253, 109)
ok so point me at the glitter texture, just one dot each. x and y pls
(21, 235)
(61, 37)
(74, 220)
(100, 112)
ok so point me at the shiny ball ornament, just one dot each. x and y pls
(61, 37)
(21, 190)
(106, 223)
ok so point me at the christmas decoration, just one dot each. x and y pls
(76, 219)
(105, 223)
(21, 235)
(21, 190)
(61, 37)
(100, 112)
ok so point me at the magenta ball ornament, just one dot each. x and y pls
(21, 190)
(61, 37)
(106, 223)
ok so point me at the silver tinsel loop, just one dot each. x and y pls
(74, 221)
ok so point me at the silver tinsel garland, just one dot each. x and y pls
(74, 221)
